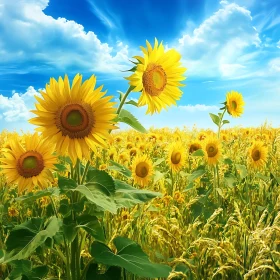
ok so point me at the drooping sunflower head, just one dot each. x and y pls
(257, 155)
(158, 76)
(176, 156)
(235, 103)
(28, 164)
(75, 119)
(142, 170)
(212, 150)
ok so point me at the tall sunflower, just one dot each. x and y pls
(74, 118)
(212, 150)
(257, 155)
(142, 170)
(176, 156)
(158, 75)
(235, 103)
(28, 164)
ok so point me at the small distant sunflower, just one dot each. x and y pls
(133, 152)
(257, 155)
(142, 170)
(28, 165)
(194, 146)
(176, 156)
(158, 76)
(235, 103)
(213, 150)
(76, 118)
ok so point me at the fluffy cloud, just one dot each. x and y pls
(16, 108)
(30, 36)
(218, 45)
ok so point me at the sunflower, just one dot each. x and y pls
(142, 170)
(213, 150)
(194, 146)
(75, 119)
(257, 155)
(176, 156)
(28, 165)
(235, 103)
(158, 75)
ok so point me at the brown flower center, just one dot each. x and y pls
(142, 169)
(175, 157)
(193, 148)
(154, 79)
(75, 120)
(211, 151)
(256, 155)
(30, 164)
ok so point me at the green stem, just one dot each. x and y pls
(85, 172)
(68, 273)
(124, 98)
(78, 171)
(220, 124)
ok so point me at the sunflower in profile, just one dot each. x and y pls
(142, 170)
(212, 150)
(194, 146)
(235, 103)
(257, 156)
(76, 118)
(158, 76)
(176, 156)
(28, 164)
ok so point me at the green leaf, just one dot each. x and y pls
(132, 102)
(126, 117)
(19, 267)
(70, 231)
(128, 196)
(189, 187)
(242, 170)
(230, 179)
(215, 119)
(158, 161)
(120, 168)
(113, 273)
(264, 178)
(91, 225)
(60, 167)
(200, 171)
(101, 178)
(99, 195)
(225, 121)
(26, 238)
(66, 184)
(130, 257)
(121, 95)
(228, 161)
(158, 176)
(198, 153)
(31, 197)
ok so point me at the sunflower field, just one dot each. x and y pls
(81, 199)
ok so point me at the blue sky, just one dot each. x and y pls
(226, 45)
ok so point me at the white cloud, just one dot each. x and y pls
(217, 46)
(274, 65)
(28, 34)
(16, 108)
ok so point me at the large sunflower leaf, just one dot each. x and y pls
(128, 196)
(101, 178)
(129, 256)
(27, 237)
(120, 168)
(126, 117)
(113, 273)
(97, 194)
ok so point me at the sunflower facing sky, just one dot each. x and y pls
(257, 155)
(142, 170)
(235, 103)
(75, 118)
(213, 150)
(158, 76)
(28, 164)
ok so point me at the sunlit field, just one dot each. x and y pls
(81, 199)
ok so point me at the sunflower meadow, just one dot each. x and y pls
(81, 199)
